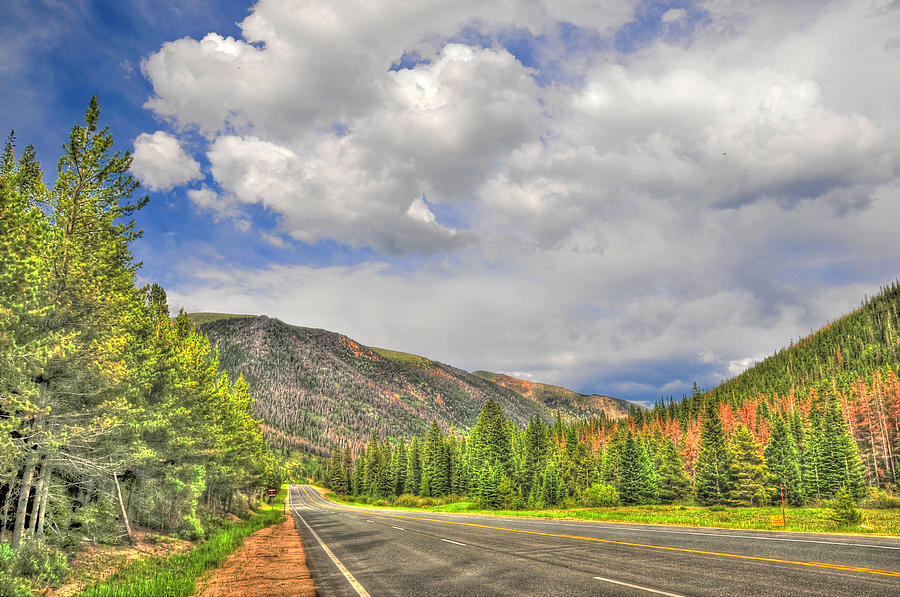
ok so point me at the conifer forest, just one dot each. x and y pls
(113, 415)
(818, 416)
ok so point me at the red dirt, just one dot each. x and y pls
(270, 563)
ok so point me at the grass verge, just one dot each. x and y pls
(811, 520)
(176, 575)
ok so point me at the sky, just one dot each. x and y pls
(618, 197)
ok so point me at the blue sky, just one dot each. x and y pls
(617, 197)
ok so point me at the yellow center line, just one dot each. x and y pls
(649, 546)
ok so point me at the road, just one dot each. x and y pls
(355, 552)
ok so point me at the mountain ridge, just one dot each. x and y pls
(316, 389)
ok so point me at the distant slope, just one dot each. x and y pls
(556, 397)
(315, 388)
(850, 347)
(203, 318)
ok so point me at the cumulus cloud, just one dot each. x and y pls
(160, 163)
(575, 212)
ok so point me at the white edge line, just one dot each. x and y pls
(638, 587)
(350, 578)
(454, 542)
(398, 528)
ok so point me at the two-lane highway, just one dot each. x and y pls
(362, 551)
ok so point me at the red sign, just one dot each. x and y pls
(273, 492)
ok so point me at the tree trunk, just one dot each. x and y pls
(36, 502)
(7, 506)
(122, 510)
(24, 491)
(44, 497)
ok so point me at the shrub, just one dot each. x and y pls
(7, 557)
(717, 508)
(190, 528)
(843, 510)
(600, 496)
(97, 522)
(879, 498)
(407, 500)
(38, 562)
(11, 586)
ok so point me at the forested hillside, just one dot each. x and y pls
(110, 413)
(316, 389)
(851, 347)
(556, 397)
(816, 420)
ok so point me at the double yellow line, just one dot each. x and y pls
(649, 546)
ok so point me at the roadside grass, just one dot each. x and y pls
(880, 521)
(176, 575)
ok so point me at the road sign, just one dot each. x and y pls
(777, 520)
(273, 492)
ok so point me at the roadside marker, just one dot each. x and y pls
(350, 578)
(638, 587)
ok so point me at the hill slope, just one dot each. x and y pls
(850, 347)
(315, 388)
(556, 397)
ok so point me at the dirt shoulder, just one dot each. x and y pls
(270, 563)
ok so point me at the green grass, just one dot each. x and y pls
(399, 357)
(876, 521)
(176, 575)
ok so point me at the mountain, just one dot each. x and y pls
(556, 397)
(315, 389)
(853, 346)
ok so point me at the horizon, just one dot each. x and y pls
(617, 199)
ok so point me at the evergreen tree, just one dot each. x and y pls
(783, 460)
(413, 468)
(674, 484)
(713, 480)
(841, 464)
(552, 488)
(536, 449)
(749, 472)
(638, 483)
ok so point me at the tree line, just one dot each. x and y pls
(111, 414)
(805, 452)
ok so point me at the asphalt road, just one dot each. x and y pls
(356, 552)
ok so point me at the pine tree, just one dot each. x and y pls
(713, 479)
(638, 483)
(841, 465)
(552, 487)
(536, 448)
(413, 468)
(749, 472)
(783, 460)
(674, 484)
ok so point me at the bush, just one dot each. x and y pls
(97, 522)
(879, 498)
(717, 508)
(33, 560)
(843, 509)
(11, 586)
(190, 528)
(600, 496)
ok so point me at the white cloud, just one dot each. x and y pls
(160, 163)
(685, 205)
(673, 15)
